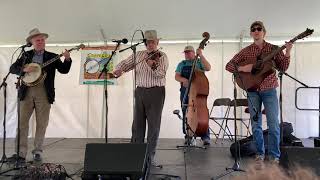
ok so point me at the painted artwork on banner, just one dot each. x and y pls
(93, 60)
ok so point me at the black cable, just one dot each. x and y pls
(14, 54)
(1, 164)
(7, 175)
(166, 176)
(75, 173)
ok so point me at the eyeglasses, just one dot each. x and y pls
(258, 29)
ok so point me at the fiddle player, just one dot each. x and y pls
(182, 75)
(149, 94)
(266, 93)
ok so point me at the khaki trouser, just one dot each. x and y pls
(36, 99)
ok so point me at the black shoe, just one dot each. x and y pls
(206, 142)
(37, 157)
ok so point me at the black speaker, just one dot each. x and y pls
(302, 156)
(316, 142)
(115, 161)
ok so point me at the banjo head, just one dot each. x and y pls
(92, 66)
(34, 75)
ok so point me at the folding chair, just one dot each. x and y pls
(221, 102)
(239, 103)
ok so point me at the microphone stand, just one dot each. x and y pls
(280, 74)
(104, 70)
(18, 162)
(236, 165)
(134, 51)
(18, 86)
(131, 47)
(4, 85)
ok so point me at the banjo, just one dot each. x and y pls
(36, 76)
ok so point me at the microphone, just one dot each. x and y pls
(177, 112)
(143, 39)
(26, 45)
(124, 41)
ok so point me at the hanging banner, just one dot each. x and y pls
(93, 60)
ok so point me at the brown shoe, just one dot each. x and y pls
(259, 162)
(274, 161)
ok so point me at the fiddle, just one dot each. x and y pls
(155, 56)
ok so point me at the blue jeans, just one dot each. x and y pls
(184, 108)
(270, 101)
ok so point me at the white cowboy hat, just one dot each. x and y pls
(35, 32)
(151, 35)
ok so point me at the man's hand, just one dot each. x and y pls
(199, 52)
(66, 55)
(117, 73)
(28, 69)
(185, 82)
(153, 64)
(288, 48)
(245, 68)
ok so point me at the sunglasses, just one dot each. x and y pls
(258, 29)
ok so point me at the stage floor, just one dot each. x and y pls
(189, 164)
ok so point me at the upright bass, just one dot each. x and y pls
(197, 114)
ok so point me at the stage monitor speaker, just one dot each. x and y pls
(316, 142)
(115, 161)
(303, 156)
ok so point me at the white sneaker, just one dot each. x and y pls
(155, 164)
(192, 142)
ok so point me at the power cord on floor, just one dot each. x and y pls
(76, 173)
(166, 176)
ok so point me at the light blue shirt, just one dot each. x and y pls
(38, 57)
(185, 63)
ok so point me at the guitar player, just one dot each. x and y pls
(38, 97)
(266, 92)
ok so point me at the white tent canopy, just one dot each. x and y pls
(81, 20)
(77, 111)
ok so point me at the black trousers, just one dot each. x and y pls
(148, 110)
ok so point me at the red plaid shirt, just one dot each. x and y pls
(249, 55)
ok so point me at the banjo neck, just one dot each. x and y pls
(60, 55)
(51, 61)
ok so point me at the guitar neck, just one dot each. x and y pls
(274, 53)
